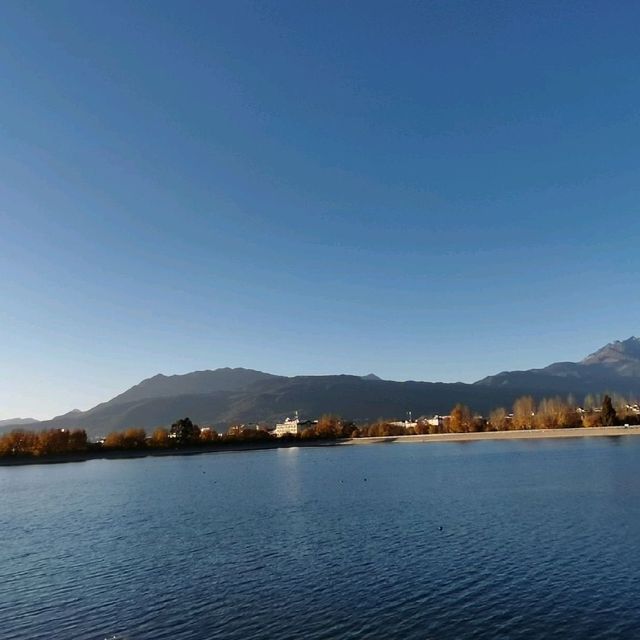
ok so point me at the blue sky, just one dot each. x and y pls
(434, 191)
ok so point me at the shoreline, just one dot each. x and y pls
(526, 434)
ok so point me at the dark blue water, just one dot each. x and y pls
(483, 540)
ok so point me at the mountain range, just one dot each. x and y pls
(226, 396)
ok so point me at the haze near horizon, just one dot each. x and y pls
(426, 191)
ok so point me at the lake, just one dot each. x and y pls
(511, 539)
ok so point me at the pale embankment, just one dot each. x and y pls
(527, 434)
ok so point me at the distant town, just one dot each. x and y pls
(548, 414)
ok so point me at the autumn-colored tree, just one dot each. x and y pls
(498, 420)
(309, 434)
(460, 419)
(19, 443)
(330, 426)
(422, 427)
(591, 419)
(376, 429)
(134, 439)
(5, 449)
(556, 413)
(114, 440)
(347, 428)
(523, 413)
(78, 440)
(383, 428)
(52, 442)
(479, 424)
(126, 440)
(327, 427)
(545, 417)
(208, 435)
(43, 443)
(568, 416)
(160, 438)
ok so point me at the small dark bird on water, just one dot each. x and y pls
(440, 527)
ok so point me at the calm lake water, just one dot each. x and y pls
(535, 539)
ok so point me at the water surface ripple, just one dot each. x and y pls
(481, 540)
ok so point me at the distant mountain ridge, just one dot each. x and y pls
(208, 381)
(614, 367)
(274, 398)
(226, 396)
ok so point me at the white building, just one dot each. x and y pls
(293, 426)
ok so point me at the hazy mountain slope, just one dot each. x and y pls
(358, 399)
(147, 413)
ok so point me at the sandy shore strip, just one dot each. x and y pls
(505, 435)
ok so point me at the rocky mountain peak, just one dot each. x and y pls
(616, 353)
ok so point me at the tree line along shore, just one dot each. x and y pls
(549, 413)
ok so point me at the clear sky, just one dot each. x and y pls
(425, 190)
